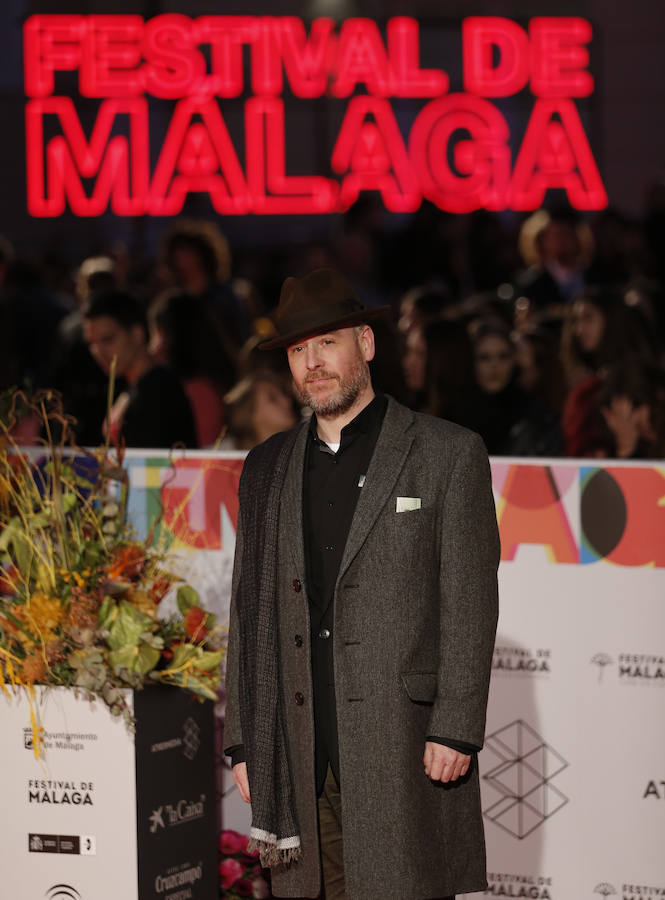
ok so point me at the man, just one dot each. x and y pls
(362, 624)
(154, 411)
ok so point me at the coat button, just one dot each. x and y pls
(298, 640)
(296, 585)
(324, 634)
(299, 699)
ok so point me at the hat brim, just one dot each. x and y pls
(356, 318)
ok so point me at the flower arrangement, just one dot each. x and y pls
(240, 873)
(79, 592)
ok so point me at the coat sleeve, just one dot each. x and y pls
(469, 558)
(233, 738)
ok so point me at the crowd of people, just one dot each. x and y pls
(547, 338)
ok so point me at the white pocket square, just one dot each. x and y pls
(405, 504)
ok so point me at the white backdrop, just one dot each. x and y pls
(573, 771)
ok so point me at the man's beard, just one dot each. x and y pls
(343, 399)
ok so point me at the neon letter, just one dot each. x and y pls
(111, 57)
(70, 157)
(361, 57)
(50, 44)
(307, 61)
(375, 154)
(272, 190)
(404, 50)
(226, 35)
(559, 57)
(480, 34)
(174, 66)
(482, 162)
(199, 157)
(556, 154)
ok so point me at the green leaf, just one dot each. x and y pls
(123, 658)
(107, 613)
(146, 658)
(181, 654)
(187, 597)
(128, 626)
(69, 502)
(190, 682)
(207, 660)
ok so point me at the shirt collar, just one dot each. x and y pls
(368, 419)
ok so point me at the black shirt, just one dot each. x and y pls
(331, 487)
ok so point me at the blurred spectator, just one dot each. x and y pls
(252, 359)
(556, 247)
(422, 304)
(9, 365)
(602, 328)
(620, 415)
(185, 335)
(257, 407)
(438, 366)
(540, 370)
(387, 374)
(199, 259)
(32, 314)
(497, 408)
(82, 383)
(154, 411)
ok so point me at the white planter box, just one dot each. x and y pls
(106, 814)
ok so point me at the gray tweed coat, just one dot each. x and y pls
(415, 619)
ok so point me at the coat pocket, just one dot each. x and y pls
(420, 686)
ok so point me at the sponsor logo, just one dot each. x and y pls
(177, 881)
(533, 887)
(59, 793)
(628, 891)
(191, 738)
(156, 819)
(602, 660)
(655, 790)
(189, 741)
(523, 775)
(59, 740)
(521, 661)
(62, 892)
(80, 844)
(54, 843)
(171, 814)
(632, 668)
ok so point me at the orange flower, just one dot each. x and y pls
(160, 587)
(33, 668)
(195, 623)
(8, 580)
(128, 563)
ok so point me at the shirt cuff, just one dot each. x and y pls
(460, 746)
(237, 754)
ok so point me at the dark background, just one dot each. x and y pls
(624, 118)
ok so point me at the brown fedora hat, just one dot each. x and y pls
(321, 301)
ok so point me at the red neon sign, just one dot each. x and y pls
(123, 59)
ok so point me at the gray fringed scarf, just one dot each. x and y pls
(274, 829)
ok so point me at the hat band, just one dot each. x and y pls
(318, 318)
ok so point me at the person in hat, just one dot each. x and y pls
(363, 616)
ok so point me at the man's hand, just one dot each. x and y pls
(441, 763)
(242, 781)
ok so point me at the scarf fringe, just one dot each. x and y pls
(271, 855)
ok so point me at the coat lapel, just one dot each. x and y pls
(291, 502)
(392, 447)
